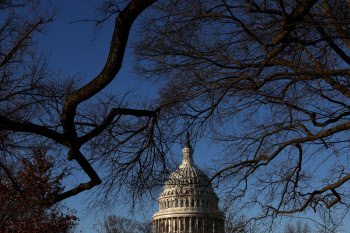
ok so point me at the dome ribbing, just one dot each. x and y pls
(188, 202)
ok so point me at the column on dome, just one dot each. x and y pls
(182, 220)
(171, 224)
(183, 226)
(183, 223)
(161, 226)
(164, 225)
(167, 224)
(203, 224)
(214, 225)
(158, 226)
(191, 221)
(176, 224)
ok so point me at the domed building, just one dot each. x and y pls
(188, 202)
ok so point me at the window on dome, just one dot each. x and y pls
(187, 203)
(175, 203)
(187, 224)
(192, 203)
(198, 203)
(182, 203)
(193, 223)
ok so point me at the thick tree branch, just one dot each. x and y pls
(326, 37)
(114, 61)
(69, 137)
(85, 165)
(7, 124)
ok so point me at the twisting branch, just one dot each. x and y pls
(69, 138)
(112, 66)
(7, 124)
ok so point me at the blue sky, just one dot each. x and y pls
(72, 51)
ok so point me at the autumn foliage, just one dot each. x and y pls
(36, 181)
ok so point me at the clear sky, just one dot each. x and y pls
(73, 51)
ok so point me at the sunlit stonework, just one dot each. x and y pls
(188, 202)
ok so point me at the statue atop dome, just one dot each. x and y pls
(187, 153)
(188, 143)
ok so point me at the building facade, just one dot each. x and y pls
(188, 203)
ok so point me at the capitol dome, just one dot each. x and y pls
(188, 202)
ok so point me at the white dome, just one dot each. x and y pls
(188, 176)
(188, 202)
